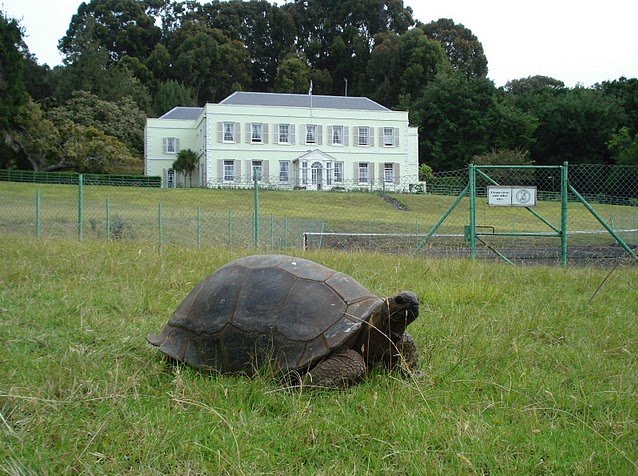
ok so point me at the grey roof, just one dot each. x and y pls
(183, 113)
(303, 100)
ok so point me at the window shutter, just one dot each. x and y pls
(397, 169)
(319, 135)
(177, 146)
(355, 175)
(381, 137)
(382, 171)
(329, 135)
(275, 134)
(249, 133)
(220, 170)
(264, 171)
(292, 133)
(237, 171)
(220, 132)
(264, 133)
(237, 132)
(345, 135)
(396, 138)
(249, 170)
(302, 134)
(371, 171)
(165, 144)
(371, 138)
(355, 135)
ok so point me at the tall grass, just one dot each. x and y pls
(526, 371)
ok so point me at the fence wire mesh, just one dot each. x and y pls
(391, 220)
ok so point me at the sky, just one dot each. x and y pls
(575, 41)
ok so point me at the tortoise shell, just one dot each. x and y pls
(272, 310)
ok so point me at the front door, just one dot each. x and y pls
(316, 175)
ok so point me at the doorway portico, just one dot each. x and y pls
(314, 170)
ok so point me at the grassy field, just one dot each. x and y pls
(526, 371)
(225, 217)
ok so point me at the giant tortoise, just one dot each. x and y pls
(309, 322)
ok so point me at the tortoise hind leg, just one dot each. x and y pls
(337, 371)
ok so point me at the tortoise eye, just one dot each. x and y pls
(399, 300)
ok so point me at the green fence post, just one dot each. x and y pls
(80, 205)
(256, 215)
(37, 212)
(107, 213)
(564, 180)
(199, 227)
(159, 224)
(472, 186)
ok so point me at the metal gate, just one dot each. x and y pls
(526, 212)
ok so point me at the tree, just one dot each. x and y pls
(186, 163)
(209, 62)
(403, 65)
(120, 27)
(624, 147)
(37, 139)
(171, 94)
(121, 119)
(12, 91)
(293, 76)
(463, 49)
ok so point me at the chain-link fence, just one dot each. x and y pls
(431, 218)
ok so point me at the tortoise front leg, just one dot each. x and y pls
(337, 371)
(405, 356)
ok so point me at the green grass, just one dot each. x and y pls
(526, 371)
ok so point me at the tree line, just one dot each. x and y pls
(124, 60)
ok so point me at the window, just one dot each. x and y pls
(284, 133)
(256, 170)
(363, 172)
(311, 134)
(256, 133)
(364, 136)
(337, 135)
(338, 175)
(388, 136)
(171, 145)
(284, 169)
(229, 170)
(388, 173)
(229, 132)
(304, 172)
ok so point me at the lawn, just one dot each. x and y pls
(201, 217)
(528, 370)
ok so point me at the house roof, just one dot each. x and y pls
(303, 100)
(183, 113)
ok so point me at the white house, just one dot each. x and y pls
(287, 140)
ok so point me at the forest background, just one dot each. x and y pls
(125, 60)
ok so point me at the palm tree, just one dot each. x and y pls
(186, 163)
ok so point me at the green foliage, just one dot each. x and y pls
(513, 382)
(462, 47)
(120, 118)
(504, 157)
(186, 163)
(12, 91)
(624, 147)
(171, 94)
(293, 76)
(425, 172)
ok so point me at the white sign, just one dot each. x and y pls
(511, 196)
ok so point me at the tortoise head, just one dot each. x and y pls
(396, 313)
